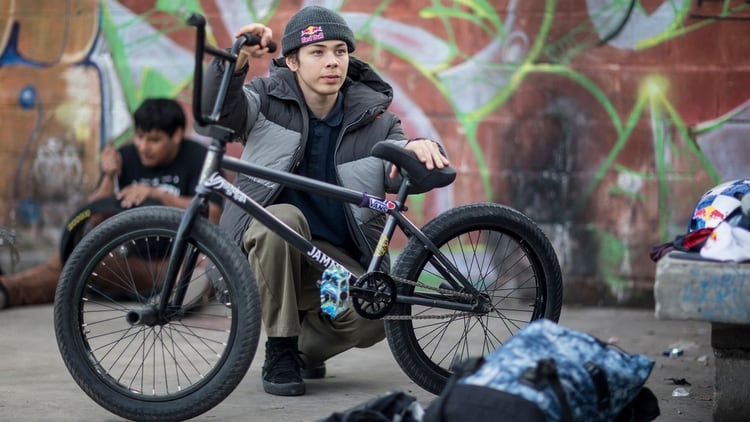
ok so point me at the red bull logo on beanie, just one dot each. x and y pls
(311, 33)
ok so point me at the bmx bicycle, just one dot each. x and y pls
(141, 343)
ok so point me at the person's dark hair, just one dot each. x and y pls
(294, 55)
(159, 113)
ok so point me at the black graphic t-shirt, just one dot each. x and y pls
(179, 178)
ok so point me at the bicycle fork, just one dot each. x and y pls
(165, 309)
(169, 306)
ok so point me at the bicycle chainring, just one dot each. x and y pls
(374, 295)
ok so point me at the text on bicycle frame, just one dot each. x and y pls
(216, 181)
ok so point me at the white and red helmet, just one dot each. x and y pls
(718, 203)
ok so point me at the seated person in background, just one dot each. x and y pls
(160, 166)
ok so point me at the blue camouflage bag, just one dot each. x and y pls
(547, 372)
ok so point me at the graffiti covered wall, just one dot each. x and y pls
(603, 120)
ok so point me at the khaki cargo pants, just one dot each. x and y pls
(289, 295)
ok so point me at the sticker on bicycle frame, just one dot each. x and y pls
(382, 248)
(334, 290)
(216, 181)
(382, 206)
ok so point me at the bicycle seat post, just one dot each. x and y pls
(403, 190)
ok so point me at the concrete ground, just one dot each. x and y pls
(35, 385)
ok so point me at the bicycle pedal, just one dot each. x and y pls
(334, 290)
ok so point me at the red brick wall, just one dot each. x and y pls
(606, 138)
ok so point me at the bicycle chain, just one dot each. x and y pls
(437, 289)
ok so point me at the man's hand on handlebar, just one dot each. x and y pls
(254, 51)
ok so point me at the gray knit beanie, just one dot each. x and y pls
(314, 24)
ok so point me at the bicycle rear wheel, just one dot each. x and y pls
(138, 366)
(507, 259)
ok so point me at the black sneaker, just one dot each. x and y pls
(282, 367)
(315, 372)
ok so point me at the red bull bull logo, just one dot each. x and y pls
(311, 33)
(708, 216)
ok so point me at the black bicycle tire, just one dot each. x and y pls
(400, 333)
(237, 277)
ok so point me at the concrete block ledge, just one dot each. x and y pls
(687, 287)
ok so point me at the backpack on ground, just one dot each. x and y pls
(547, 372)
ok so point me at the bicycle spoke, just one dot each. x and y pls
(155, 361)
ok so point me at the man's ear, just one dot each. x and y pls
(291, 62)
(178, 135)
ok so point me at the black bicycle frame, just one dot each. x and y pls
(392, 208)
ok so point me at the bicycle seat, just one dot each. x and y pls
(422, 180)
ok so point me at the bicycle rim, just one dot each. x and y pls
(169, 369)
(163, 361)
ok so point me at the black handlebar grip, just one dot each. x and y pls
(252, 39)
(196, 19)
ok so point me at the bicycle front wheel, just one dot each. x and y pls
(136, 362)
(509, 262)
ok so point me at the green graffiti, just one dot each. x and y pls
(651, 104)
(651, 101)
(125, 35)
(612, 253)
(673, 140)
(141, 82)
(178, 7)
(478, 13)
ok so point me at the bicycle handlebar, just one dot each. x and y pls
(252, 39)
(201, 48)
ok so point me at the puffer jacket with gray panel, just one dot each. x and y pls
(270, 118)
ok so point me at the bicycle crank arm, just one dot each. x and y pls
(440, 304)
(370, 295)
